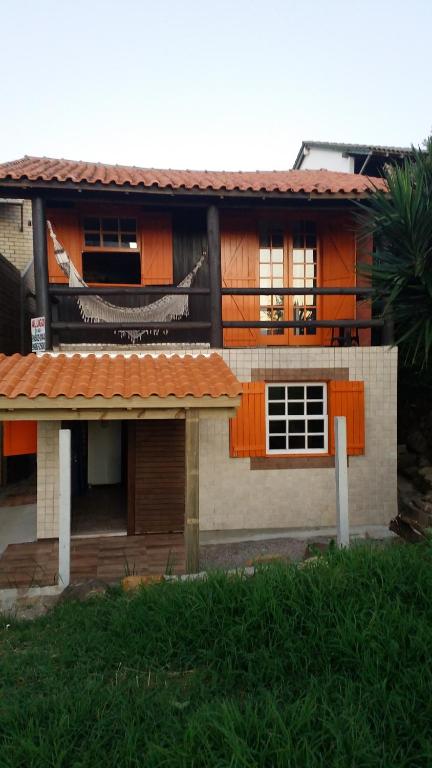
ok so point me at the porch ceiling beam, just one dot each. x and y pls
(60, 414)
(136, 404)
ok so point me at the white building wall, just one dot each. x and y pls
(316, 158)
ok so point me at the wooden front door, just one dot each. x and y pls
(156, 482)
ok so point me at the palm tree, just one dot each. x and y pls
(401, 223)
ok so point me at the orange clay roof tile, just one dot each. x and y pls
(110, 375)
(292, 181)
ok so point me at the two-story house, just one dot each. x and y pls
(202, 331)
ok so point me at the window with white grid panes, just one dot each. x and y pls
(304, 274)
(296, 418)
(271, 275)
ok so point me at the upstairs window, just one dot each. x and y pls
(304, 274)
(296, 417)
(271, 275)
(112, 232)
(111, 254)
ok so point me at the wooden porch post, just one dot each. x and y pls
(41, 265)
(192, 490)
(214, 257)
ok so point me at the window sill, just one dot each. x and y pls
(301, 461)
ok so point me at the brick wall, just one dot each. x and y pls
(47, 479)
(10, 307)
(16, 245)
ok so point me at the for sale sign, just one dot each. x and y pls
(38, 334)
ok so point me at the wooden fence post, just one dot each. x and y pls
(64, 506)
(341, 463)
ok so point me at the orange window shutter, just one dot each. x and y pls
(248, 429)
(156, 249)
(346, 398)
(19, 437)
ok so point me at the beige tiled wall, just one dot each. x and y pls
(16, 245)
(47, 479)
(232, 496)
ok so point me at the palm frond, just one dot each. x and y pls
(400, 221)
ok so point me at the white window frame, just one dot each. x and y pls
(297, 451)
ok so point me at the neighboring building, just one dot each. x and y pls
(348, 158)
(207, 406)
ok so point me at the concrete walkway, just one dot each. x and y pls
(17, 525)
(304, 534)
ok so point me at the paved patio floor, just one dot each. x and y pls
(108, 558)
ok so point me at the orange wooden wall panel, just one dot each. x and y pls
(156, 249)
(239, 266)
(338, 253)
(19, 438)
(66, 226)
(247, 429)
(346, 398)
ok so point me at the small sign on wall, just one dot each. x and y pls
(38, 334)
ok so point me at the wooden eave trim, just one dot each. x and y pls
(112, 414)
(125, 404)
(179, 192)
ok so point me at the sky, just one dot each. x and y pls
(211, 84)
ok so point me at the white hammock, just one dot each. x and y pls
(94, 309)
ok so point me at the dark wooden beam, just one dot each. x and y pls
(30, 188)
(388, 336)
(214, 257)
(175, 325)
(355, 291)
(41, 265)
(376, 323)
(148, 290)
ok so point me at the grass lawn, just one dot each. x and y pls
(326, 666)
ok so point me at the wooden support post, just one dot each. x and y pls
(214, 257)
(388, 329)
(64, 506)
(192, 490)
(41, 265)
(342, 520)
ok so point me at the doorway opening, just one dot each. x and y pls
(98, 477)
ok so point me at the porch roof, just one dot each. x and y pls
(119, 376)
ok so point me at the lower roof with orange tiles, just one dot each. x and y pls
(107, 375)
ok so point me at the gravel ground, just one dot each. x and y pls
(240, 553)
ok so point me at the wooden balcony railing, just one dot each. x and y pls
(56, 292)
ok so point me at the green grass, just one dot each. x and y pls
(326, 666)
